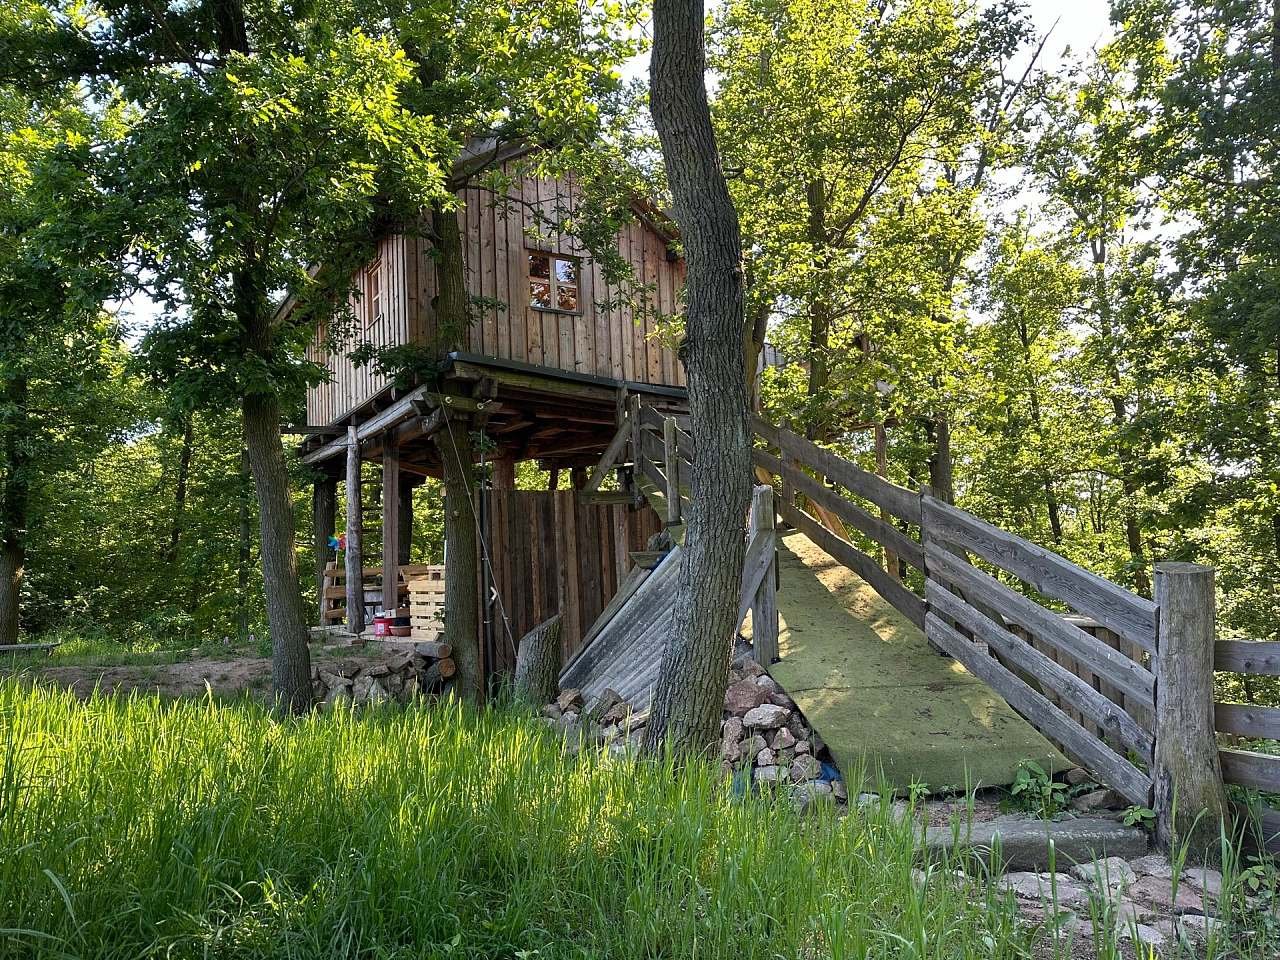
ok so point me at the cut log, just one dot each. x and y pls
(538, 663)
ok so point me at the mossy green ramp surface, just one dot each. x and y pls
(881, 698)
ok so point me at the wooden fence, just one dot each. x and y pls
(553, 552)
(1073, 653)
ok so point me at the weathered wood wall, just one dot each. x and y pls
(555, 553)
(615, 342)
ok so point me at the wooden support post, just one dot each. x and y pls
(504, 474)
(390, 526)
(355, 557)
(1189, 799)
(671, 467)
(324, 506)
(405, 538)
(764, 605)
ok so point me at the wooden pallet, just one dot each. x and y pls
(426, 604)
(335, 588)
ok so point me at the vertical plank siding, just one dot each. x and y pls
(601, 339)
(553, 552)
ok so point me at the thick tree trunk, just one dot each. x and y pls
(537, 679)
(14, 503)
(461, 516)
(290, 658)
(941, 463)
(461, 573)
(695, 667)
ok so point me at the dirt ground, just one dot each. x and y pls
(227, 676)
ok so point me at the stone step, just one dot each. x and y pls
(1024, 843)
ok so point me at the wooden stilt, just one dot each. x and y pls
(354, 556)
(390, 526)
(324, 505)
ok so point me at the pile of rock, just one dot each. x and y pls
(764, 739)
(763, 735)
(420, 669)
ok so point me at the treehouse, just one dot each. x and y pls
(552, 349)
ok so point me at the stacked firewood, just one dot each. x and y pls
(422, 669)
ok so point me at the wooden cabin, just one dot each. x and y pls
(551, 352)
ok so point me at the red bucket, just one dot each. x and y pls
(382, 626)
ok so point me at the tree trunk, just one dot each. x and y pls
(14, 504)
(245, 551)
(324, 506)
(941, 473)
(461, 573)
(180, 491)
(453, 443)
(537, 679)
(290, 658)
(689, 697)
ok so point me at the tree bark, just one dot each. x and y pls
(462, 549)
(453, 443)
(180, 490)
(537, 679)
(290, 657)
(14, 504)
(695, 667)
(244, 553)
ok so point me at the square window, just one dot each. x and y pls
(553, 283)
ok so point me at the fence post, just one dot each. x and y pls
(764, 605)
(1190, 801)
(671, 454)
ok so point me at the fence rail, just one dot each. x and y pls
(1248, 768)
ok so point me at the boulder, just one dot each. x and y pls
(840, 791)
(765, 758)
(782, 740)
(1112, 873)
(767, 683)
(805, 767)
(1077, 776)
(782, 700)
(377, 670)
(802, 746)
(767, 716)
(743, 697)
(605, 702)
(731, 729)
(773, 774)
(551, 710)
(336, 695)
(1160, 893)
(1153, 865)
(1029, 886)
(806, 795)
(1203, 878)
(1096, 800)
(750, 748)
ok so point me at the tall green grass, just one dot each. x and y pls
(131, 827)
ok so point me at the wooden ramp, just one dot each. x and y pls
(881, 698)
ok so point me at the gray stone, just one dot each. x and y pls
(1029, 886)
(551, 711)
(1143, 934)
(1077, 776)
(744, 696)
(1024, 844)
(767, 683)
(331, 680)
(765, 758)
(1112, 873)
(773, 774)
(1197, 927)
(767, 716)
(1096, 800)
(1153, 865)
(782, 700)
(802, 746)
(731, 729)
(805, 795)
(336, 695)
(1210, 881)
(751, 747)
(840, 791)
(805, 767)
(377, 670)
(1160, 893)
(782, 740)
(868, 800)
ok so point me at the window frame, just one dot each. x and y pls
(373, 305)
(553, 281)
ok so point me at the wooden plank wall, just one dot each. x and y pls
(553, 552)
(406, 287)
(614, 342)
